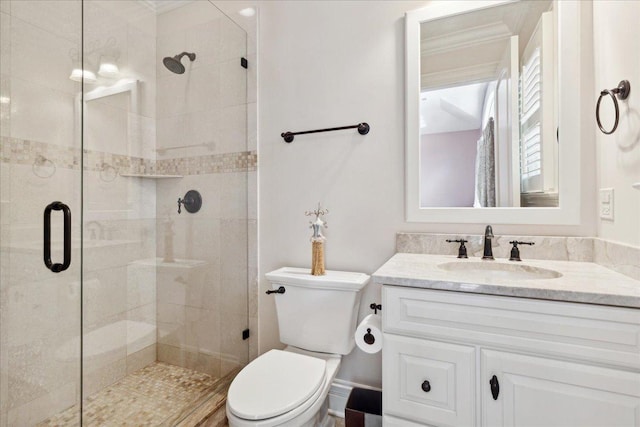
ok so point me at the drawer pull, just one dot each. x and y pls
(495, 387)
(426, 387)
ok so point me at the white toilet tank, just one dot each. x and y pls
(317, 313)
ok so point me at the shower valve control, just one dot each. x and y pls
(192, 202)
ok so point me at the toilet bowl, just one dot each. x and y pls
(283, 388)
(317, 320)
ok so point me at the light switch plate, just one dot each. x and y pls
(606, 203)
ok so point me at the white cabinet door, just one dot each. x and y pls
(537, 392)
(428, 382)
(389, 421)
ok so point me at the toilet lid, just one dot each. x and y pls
(275, 383)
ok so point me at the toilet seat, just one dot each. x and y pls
(275, 383)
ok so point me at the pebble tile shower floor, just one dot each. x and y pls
(157, 395)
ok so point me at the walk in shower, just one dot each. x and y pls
(116, 309)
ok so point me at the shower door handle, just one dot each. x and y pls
(66, 212)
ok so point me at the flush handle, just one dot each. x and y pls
(280, 290)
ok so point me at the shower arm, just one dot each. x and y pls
(191, 56)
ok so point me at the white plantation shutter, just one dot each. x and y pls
(538, 146)
(531, 135)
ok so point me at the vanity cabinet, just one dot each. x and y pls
(464, 359)
(432, 380)
(548, 392)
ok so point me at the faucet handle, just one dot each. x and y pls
(462, 250)
(515, 252)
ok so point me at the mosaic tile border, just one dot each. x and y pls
(213, 163)
(46, 157)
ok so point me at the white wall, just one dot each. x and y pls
(616, 47)
(448, 168)
(329, 64)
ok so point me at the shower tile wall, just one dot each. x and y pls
(202, 122)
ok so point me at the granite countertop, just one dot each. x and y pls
(582, 282)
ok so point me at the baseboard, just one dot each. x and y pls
(339, 394)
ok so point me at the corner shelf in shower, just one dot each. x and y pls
(140, 175)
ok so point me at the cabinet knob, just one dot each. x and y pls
(495, 387)
(426, 387)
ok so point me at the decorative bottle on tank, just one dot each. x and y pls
(317, 241)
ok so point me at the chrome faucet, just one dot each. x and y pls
(488, 235)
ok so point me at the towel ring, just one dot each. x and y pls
(41, 161)
(621, 92)
(108, 173)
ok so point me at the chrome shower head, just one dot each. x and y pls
(173, 63)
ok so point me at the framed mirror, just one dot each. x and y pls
(488, 90)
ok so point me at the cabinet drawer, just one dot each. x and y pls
(429, 382)
(596, 333)
(572, 394)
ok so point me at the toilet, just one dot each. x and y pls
(317, 318)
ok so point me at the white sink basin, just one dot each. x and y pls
(493, 270)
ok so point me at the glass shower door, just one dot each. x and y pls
(104, 287)
(119, 272)
(164, 292)
(40, 210)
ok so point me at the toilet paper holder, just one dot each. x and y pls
(368, 334)
(369, 338)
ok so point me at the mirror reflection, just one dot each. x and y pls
(488, 108)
